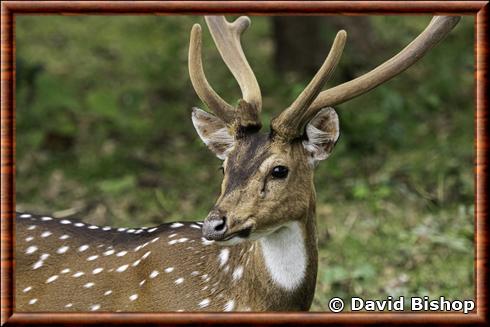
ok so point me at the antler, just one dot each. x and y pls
(203, 89)
(291, 122)
(227, 39)
(291, 119)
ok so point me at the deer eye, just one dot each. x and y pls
(279, 172)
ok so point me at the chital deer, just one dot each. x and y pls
(257, 248)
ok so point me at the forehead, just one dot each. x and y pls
(247, 156)
(248, 152)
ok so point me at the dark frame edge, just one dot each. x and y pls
(481, 165)
(7, 160)
(10, 8)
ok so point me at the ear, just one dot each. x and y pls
(213, 132)
(322, 133)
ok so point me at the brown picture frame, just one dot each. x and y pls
(10, 9)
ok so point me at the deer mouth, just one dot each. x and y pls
(242, 233)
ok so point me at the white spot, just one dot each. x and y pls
(93, 227)
(179, 281)
(109, 252)
(37, 264)
(31, 249)
(51, 279)
(195, 226)
(65, 271)
(204, 276)
(78, 274)
(285, 256)
(122, 253)
(146, 255)
(64, 237)
(89, 285)
(32, 227)
(46, 234)
(183, 239)
(46, 218)
(92, 257)
(172, 235)
(137, 262)
(229, 306)
(142, 282)
(62, 249)
(32, 301)
(169, 269)
(152, 230)
(133, 297)
(27, 289)
(204, 303)
(95, 307)
(131, 230)
(106, 228)
(154, 274)
(139, 231)
(65, 222)
(223, 257)
(155, 239)
(30, 238)
(83, 248)
(25, 215)
(238, 273)
(69, 305)
(97, 271)
(122, 268)
(121, 229)
(107, 292)
(195, 273)
(172, 242)
(44, 256)
(79, 224)
(176, 225)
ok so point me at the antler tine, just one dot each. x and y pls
(203, 89)
(227, 39)
(290, 123)
(438, 28)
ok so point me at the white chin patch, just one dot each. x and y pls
(285, 256)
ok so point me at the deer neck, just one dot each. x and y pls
(285, 256)
(289, 256)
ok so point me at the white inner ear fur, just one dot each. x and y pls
(213, 132)
(322, 138)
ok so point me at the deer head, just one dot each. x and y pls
(268, 177)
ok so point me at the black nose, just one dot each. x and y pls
(214, 227)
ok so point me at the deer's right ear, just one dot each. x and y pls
(214, 132)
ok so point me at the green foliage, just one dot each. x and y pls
(104, 129)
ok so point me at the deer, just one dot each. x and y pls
(257, 248)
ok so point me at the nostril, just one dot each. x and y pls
(222, 225)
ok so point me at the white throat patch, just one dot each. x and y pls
(285, 256)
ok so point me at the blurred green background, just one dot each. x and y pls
(104, 131)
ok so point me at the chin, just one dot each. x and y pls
(233, 241)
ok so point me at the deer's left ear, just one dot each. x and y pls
(322, 133)
(213, 132)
